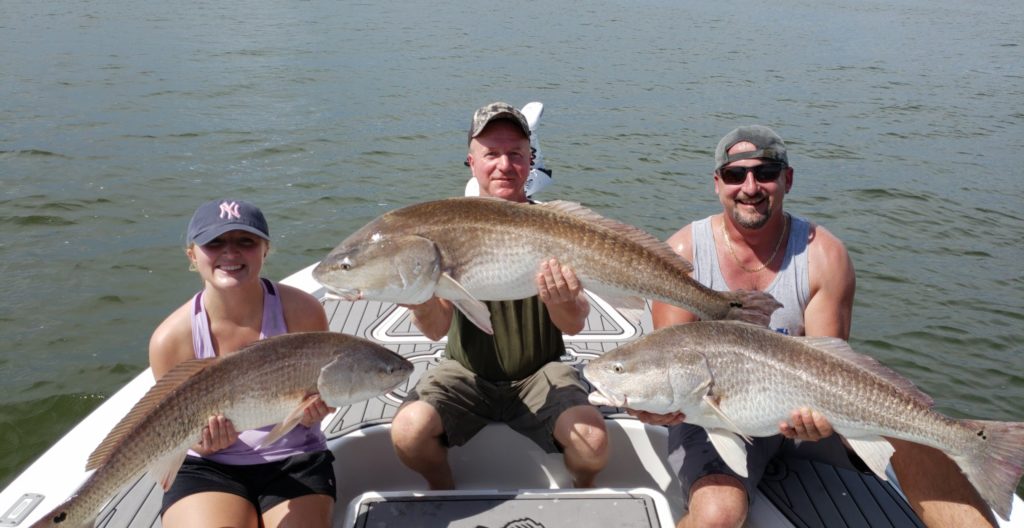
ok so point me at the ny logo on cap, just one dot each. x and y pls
(229, 210)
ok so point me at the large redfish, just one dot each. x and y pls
(738, 381)
(267, 382)
(468, 250)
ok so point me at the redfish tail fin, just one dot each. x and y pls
(995, 469)
(751, 306)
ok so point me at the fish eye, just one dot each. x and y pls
(618, 368)
(346, 264)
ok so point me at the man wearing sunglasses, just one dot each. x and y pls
(755, 244)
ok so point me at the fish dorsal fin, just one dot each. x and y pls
(633, 233)
(156, 394)
(841, 349)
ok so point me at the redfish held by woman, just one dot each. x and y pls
(267, 382)
(468, 250)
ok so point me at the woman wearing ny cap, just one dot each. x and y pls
(226, 480)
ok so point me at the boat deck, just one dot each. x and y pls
(373, 485)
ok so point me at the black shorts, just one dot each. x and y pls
(264, 485)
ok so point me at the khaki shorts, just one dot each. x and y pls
(530, 406)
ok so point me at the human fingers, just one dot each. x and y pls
(553, 284)
(421, 305)
(572, 282)
(805, 424)
(315, 413)
(217, 433)
(222, 432)
(675, 418)
(547, 284)
(794, 428)
(657, 419)
(822, 424)
(206, 439)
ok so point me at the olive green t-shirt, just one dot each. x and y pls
(524, 340)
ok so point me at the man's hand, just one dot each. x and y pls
(806, 424)
(557, 284)
(649, 418)
(433, 317)
(562, 294)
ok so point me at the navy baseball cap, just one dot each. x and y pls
(769, 145)
(213, 219)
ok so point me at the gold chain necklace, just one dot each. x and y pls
(728, 244)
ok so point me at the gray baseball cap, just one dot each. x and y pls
(769, 145)
(494, 111)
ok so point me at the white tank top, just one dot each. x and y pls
(791, 285)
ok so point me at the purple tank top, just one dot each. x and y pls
(243, 452)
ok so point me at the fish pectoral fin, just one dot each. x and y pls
(165, 469)
(713, 404)
(289, 422)
(704, 387)
(476, 311)
(875, 451)
(731, 449)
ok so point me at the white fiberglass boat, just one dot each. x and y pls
(503, 478)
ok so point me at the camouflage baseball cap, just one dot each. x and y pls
(769, 145)
(494, 111)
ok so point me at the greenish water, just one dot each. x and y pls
(904, 121)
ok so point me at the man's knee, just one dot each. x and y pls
(581, 429)
(415, 423)
(717, 501)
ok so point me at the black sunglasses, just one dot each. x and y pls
(764, 173)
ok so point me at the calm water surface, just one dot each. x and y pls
(904, 119)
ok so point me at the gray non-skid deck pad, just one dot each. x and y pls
(812, 494)
(497, 510)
